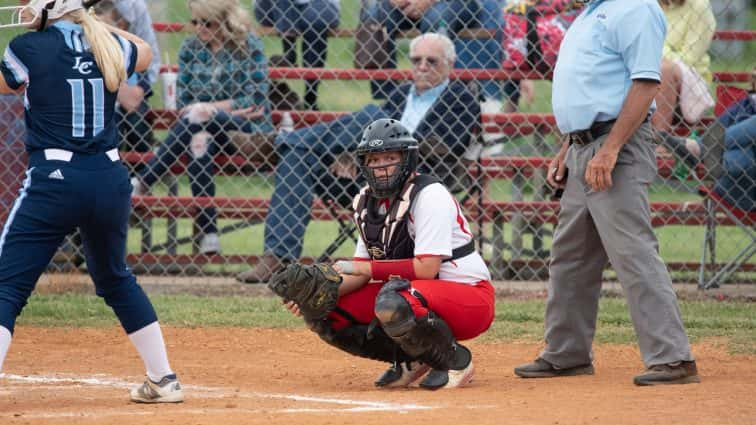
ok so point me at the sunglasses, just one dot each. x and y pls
(204, 22)
(430, 60)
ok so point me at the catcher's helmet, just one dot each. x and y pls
(387, 135)
(39, 12)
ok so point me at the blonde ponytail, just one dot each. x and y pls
(105, 48)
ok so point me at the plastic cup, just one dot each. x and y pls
(169, 89)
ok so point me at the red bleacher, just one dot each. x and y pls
(724, 35)
(496, 212)
(459, 74)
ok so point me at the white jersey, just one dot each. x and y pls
(437, 226)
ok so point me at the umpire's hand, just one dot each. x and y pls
(557, 168)
(598, 173)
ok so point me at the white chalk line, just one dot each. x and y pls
(202, 392)
(182, 411)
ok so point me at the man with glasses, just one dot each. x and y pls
(445, 17)
(442, 114)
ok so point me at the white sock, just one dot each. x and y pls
(150, 345)
(5, 340)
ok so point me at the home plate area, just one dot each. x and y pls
(284, 377)
(102, 388)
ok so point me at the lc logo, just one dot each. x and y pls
(82, 67)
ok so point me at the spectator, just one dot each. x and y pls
(534, 32)
(447, 17)
(728, 150)
(685, 74)
(137, 16)
(135, 130)
(222, 88)
(443, 115)
(312, 19)
(479, 53)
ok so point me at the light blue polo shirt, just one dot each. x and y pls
(417, 106)
(611, 43)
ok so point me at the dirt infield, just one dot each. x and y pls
(263, 376)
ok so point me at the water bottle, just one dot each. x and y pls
(287, 123)
(443, 29)
(681, 170)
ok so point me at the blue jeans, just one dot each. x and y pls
(738, 183)
(134, 129)
(304, 156)
(447, 17)
(201, 168)
(312, 21)
(481, 54)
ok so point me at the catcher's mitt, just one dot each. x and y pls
(315, 288)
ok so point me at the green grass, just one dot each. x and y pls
(515, 320)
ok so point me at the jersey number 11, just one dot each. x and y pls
(79, 106)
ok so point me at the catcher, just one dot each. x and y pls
(416, 285)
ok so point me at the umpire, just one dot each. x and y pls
(605, 80)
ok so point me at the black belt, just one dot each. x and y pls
(462, 251)
(598, 129)
(584, 137)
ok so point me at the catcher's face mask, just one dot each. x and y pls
(387, 136)
(386, 172)
(36, 13)
(383, 169)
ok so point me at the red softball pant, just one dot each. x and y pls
(467, 309)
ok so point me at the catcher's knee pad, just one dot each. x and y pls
(393, 310)
(365, 341)
(432, 341)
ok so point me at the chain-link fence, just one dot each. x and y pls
(241, 135)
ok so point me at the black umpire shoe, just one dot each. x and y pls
(540, 368)
(672, 373)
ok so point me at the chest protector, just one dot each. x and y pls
(386, 234)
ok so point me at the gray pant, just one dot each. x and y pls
(613, 225)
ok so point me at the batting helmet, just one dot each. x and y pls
(39, 11)
(387, 135)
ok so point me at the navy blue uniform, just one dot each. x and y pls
(75, 178)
